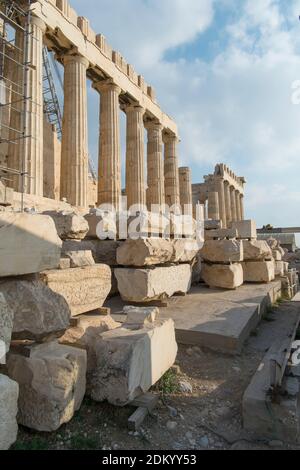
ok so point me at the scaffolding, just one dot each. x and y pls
(14, 18)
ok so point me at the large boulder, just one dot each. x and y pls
(256, 250)
(69, 225)
(84, 289)
(222, 275)
(9, 391)
(222, 251)
(28, 244)
(52, 383)
(6, 325)
(145, 285)
(259, 271)
(37, 311)
(131, 360)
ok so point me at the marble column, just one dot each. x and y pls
(221, 191)
(135, 165)
(74, 155)
(155, 167)
(185, 186)
(213, 211)
(227, 203)
(242, 206)
(33, 146)
(109, 164)
(233, 204)
(172, 193)
(238, 205)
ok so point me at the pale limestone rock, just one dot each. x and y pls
(212, 224)
(145, 252)
(280, 268)
(28, 244)
(245, 228)
(259, 271)
(65, 263)
(38, 312)
(84, 289)
(277, 255)
(6, 323)
(80, 258)
(184, 250)
(141, 316)
(196, 269)
(222, 275)
(104, 251)
(6, 195)
(273, 243)
(87, 332)
(52, 384)
(9, 391)
(143, 285)
(130, 361)
(69, 225)
(221, 233)
(222, 251)
(256, 250)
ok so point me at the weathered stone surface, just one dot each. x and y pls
(280, 268)
(277, 255)
(87, 332)
(221, 233)
(273, 243)
(130, 361)
(28, 244)
(38, 311)
(212, 224)
(6, 323)
(256, 250)
(52, 384)
(245, 228)
(84, 289)
(196, 269)
(65, 263)
(184, 250)
(141, 316)
(222, 275)
(6, 195)
(104, 251)
(9, 391)
(222, 251)
(69, 225)
(80, 258)
(143, 285)
(259, 271)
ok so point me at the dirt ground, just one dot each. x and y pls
(199, 406)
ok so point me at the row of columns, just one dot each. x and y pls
(225, 203)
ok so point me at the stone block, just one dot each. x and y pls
(6, 324)
(28, 244)
(52, 382)
(103, 251)
(280, 268)
(259, 271)
(141, 316)
(257, 250)
(221, 233)
(145, 252)
(131, 361)
(144, 285)
(80, 258)
(277, 255)
(185, 250)
(210, 224)
(37, 311)
(65, 263)
(9, 391)
(245, 228)
(69, 225)
(84, 289)
(222, 251)
(222, 275)
(196, 269)
(6, 195)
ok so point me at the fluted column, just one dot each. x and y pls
(242, 206)
(238, 205)
(221, 191)
(213, 211)
(135, 165)
(172, 192)
(233, 204)
(155, 167)
(74, 156)
(227, 203)
(33, 145)
(185, 185)
(109, 164)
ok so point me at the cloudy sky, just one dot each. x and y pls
(224, 70)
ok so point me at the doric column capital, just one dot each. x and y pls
(68, 58)
(170, 138)
(107, 85)
(34, 20)
(153, 126)
(134, 107)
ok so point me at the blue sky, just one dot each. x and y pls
(223, 69)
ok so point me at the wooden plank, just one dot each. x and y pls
(148, 400)
(137, 418)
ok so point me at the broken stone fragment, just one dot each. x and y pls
(84, 289)
(37, 311)
(184, 250)
(52, 383)
(9, 391)
(259, 271)
(144, 285)
(69, 225)
(130, 361)
(28, 244)
(256, 250)
(221, 233)
(6, 324)
(222, 275)
(277, 255)
(103, 251)
(222, 251)
(141, 316)
(65, 263)
(80, 258)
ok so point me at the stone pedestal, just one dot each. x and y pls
(155, 167)
(172, 194)
(109, 169)
(74, 157)
(135, 167)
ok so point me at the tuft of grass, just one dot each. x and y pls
(168, 384)
(36, 443)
